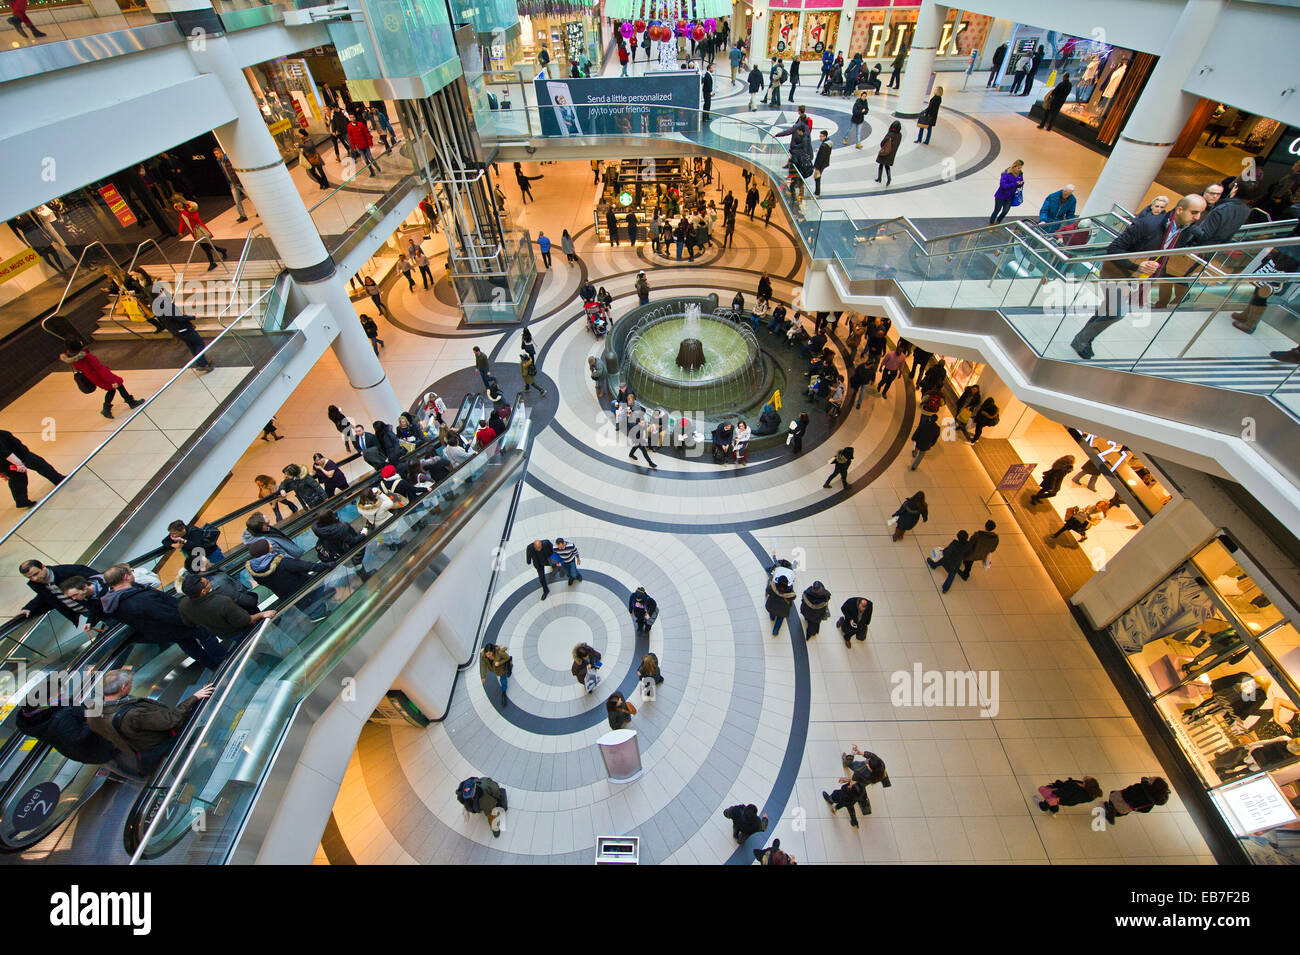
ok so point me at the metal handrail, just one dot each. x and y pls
(189, 260)
(122, 427)
(253, 643)
(112, 312)
(71, 278)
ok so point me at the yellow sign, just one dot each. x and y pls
(776, 400)
(19, 263)
(279, 126)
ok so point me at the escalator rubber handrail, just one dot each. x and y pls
(186, 737)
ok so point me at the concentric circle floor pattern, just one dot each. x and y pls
(743, 716)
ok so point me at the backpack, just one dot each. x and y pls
(932, 403)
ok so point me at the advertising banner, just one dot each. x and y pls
(782, 30)
(117, 204)
(619, 105)
(819, 32)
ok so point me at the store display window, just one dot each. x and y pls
(1097, 72)
(1120, 464)
(1220, 660)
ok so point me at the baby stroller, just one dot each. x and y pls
(597, 318)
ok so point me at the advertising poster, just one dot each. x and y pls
(782, 29)
(819, 30)
(619, 105)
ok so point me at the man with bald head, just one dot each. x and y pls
(1170, 230)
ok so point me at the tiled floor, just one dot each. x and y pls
(743, 716)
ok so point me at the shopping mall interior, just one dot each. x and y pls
(547, 433)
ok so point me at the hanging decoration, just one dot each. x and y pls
(710, 25)
(640, 26)
(698, 33)
(626, 30)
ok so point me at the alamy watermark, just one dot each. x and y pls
(921, 687)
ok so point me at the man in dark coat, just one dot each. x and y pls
(821, 162)
(284, 576)
(155, 617)
(1053, 102)
(983, 543)
(47, 584)
(538, 554)
(755, 84)
(999, 55)
(64, 729)
(1171, 230)
(953, 556)
(16, 462)
(706, 90)
(924, 437)
(644, 611)
(855, 617)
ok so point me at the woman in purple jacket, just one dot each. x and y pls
(1012, 181)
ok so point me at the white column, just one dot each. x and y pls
(266, 179)
(920, 59)
(1159, 115)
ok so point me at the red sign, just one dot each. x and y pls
(117, 204)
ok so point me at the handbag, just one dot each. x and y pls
(1018, 198)
(83, 383)
(936, 553)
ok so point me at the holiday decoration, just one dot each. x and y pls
(710, 25)
(626, 30)
(640, 26)
(682, 27)
(698, 33)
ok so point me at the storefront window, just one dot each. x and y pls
(1219, 660)
(1098, 73)
(1122, 466)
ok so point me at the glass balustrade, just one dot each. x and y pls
(284, 661)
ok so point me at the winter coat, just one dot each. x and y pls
(359, 135)
(931, 114)
(145, 724)
(153, 615)
(99, 374)
(335, 540)
(306, 488)
(755, 80)
(926, 433)
(283, 576)
(1056, 208)
(955, 554)
(982, 544)
(216, 613)
(1221, 223)
(860, 110)
(45, 600)
(909, 513)
(1008, 184)
(778, 602)
(855, 621)
(889, 147)
(376, 513)
(815, 603)
(64, 728)
(278, 540)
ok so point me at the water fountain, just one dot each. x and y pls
(686, 354)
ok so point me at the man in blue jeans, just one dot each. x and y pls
(953, 556)
(862, 375)
(565, 556)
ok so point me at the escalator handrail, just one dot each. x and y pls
(188, 744)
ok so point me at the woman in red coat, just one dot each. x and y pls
(192, 224)
(78, 355)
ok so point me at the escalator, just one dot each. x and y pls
(42, 788)
(195, 809)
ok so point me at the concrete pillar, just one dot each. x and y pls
(920, 60)
(266, 179)
(999, 33)
(1160, 114)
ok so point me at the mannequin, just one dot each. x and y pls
(1113, 83)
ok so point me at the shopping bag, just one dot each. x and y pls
(936, 554)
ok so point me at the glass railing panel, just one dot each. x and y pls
(368, 192)
(70, 20)
(284, 661)
(1287, 393)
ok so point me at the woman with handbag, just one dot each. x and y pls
(91, 373)
(929, 116)
(619, 711)
(911, 511)
(1010, 191)
(889, 152)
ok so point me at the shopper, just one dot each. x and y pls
(841, 462)
(999, 55)
(644, 611)
(311, 161)
(649, 674)
(538, 555)
(371, 328)
(586, 661)
(142, 730)
(496, 660)
(814, 608)
(372, 290)
(1150, 791)
(232, 180)
(986, 417)
(983, 544)
(544, 246)
(1034, 63)
(1056, 209)
(865, 769)
(528, 371)
(19, 18)
(1050, 482)
(858, 120)
(407, 268)
(481, 364)
(755, 85)
(224, 616)
(745, 821)
(483, 794)
(421, 261)
(924, 438)
(1082, 519)
(1010, 191)
(855, 618)
(951, 558)
(77, 353)
(1068, 792)
(798, 428)
(780, 597)
(525, 190)
(619, 711)
(192, 224)
(1090, 470)
(890, 366)
(155, 617)
(889, 152)
(822, 161)
(360, 141)
(794, 76)
(929, 118)
(566, 246)
(896, 68)
(1021, 74)
(1170, 230)
(1054, 100)
(911, 511)
(642, 288)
